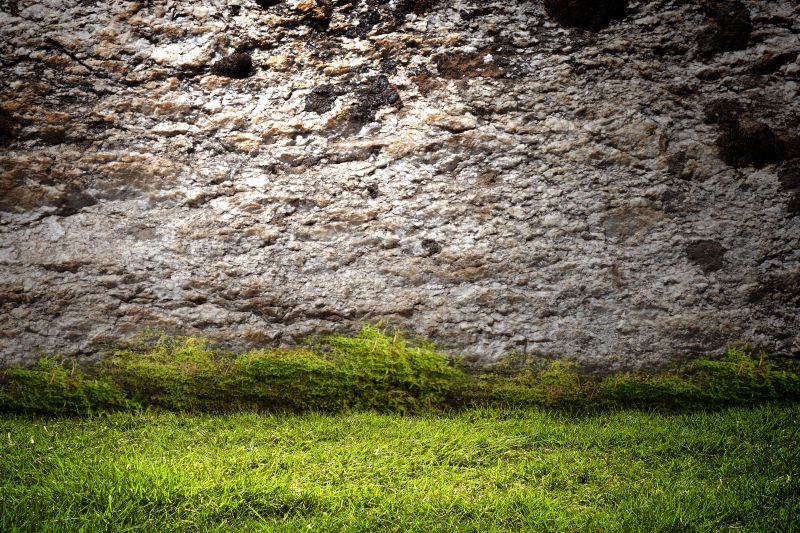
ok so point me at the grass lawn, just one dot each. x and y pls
(475, 470)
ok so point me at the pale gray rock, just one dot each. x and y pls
(472, 172)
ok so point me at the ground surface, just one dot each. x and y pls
(527, 470)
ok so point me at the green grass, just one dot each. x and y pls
(482, 470)
(375, 432)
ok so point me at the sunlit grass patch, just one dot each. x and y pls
(475, 470)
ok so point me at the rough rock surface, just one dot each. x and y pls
(468, 169)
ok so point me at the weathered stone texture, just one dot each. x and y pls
(468, 169)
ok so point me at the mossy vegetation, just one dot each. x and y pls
(378, 370)
(740, 377)
(52, 388)
(371, 370)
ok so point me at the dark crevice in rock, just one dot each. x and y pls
(72, 201)
(388, 66)
(65, 266)
(237, 65)
(8, 126)
(404, 7)
(676, 163)
(319, 18)
(68, 52)
(723, 112)
(587, 14)
(316, 16)
(750, 143)
(11, 6)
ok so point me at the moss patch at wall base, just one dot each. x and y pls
(373, 370)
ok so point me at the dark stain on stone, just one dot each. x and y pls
(722, 111)
(668, 47)
(321, 98)
(790, 182)
(793, 205)
(672, 200)
(237, 65)
(404, 7)
(790, 177)
(587, 14)
(487, 178)
(470, 65)
(375, 93)
(11, 6)
(71, 266)
(777, 287)
(319, 18)
(771, 62)
(706, 254)
(268, 3)
(389, 66)
(372, 190)
(676, 163)
(750, 143)
(744, 141)
(8, 126)
(366, 21)
(729, 27)
(71, 201)
(431, 247)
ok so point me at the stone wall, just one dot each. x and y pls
(621, 191)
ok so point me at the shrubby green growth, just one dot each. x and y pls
(737, 378)
(372, 370)
(49, 388)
